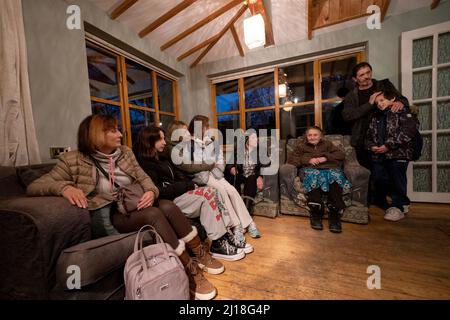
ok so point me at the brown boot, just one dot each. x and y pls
(199, 286)
(203, 257)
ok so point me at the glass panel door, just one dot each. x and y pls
(426, 81)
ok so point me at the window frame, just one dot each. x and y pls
(318, 102)
(123, 103)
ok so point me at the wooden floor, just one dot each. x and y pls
(293, 262)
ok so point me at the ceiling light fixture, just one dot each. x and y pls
(282, 90)
(254, 30)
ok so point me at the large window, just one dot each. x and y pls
(245, 103)
(131, 92)
(289, 98)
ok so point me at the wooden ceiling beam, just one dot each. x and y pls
(165, 17)
(258, 7)
(201, 23)
(384, 9)
(124, 6)
(196, 48)
(309, 15)
(434, 4)
(220, 35)
(236, 40)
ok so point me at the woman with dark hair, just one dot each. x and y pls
(195, 202)
(77, 178)
(247, 171)
(237, 211)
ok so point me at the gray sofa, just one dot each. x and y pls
(40, 237)
(293, 200)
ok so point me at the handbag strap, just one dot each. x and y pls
(138, 245)
(102, 170)
(140, 236)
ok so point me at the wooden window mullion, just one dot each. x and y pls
(317, 94)
(277, 102)
(124, 108)
(155, 97)
(241, 91)
(215, 123)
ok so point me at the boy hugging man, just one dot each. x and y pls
(389, 139)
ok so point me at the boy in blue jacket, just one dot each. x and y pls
(389, 139)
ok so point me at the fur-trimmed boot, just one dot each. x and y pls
(315, 215)
(202, 256)
(199, 287)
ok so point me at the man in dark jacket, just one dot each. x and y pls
(359, 106)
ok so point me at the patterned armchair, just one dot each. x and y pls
(293, 200)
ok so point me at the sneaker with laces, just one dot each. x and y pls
(406, 208)
(206, 262)
(394, 214)
(253, 231)
(237, 239)
(222, 249)
(199, 286)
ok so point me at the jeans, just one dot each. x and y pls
(392, 173)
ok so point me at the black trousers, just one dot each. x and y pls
(392, 173)
(249, 182)
(334, 196)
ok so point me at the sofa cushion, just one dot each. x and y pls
(9, 184)
(96, 258)
(34, 231)
(28, 174)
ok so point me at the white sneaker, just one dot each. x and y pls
(406, 208)
(394, 214)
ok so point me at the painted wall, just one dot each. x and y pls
(59, 77)
(58, 68)
(383, 50)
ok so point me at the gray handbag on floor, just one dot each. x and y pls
(154, 272)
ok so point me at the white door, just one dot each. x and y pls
(426, 82)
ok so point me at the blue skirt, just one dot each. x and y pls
(322, 178)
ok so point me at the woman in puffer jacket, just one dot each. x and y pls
(77, 178)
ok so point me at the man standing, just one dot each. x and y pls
(359, 105)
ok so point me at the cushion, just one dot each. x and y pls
(28, 174)
(96, 258)
(9, 184)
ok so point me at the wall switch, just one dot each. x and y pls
(55, 152)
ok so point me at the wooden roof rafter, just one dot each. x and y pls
(201, 23)
(220, 35)
(434, 4)
(165, 17)
(197, 47)
(121, 8)
(236, 40)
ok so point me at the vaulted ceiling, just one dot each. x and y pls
(199, 31)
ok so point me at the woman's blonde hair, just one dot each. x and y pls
(91, 132)
(174, 125)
